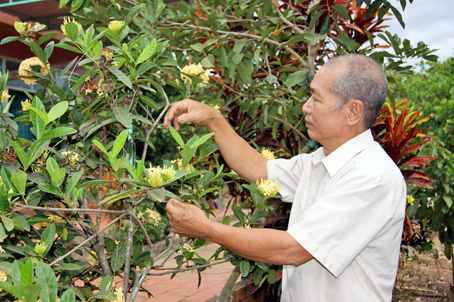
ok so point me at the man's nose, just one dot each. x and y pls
(306, 107)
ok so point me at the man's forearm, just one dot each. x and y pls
(238, 154)
(262, 245)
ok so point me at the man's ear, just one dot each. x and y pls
(355, 112)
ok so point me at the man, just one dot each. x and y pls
(344, 233)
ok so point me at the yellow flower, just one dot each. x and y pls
(155, 174)
(26, 105)
(410, 199)
(5, 96)
(153, 217)
(194, 70)
(3, 278)
(67, 20)
(268, 188)
(40, 225)
(40, 248)
(116, 26)
(268, 154)
(55, 218)
(120, 296)
(217, 108)
(2, 250)
(108, 55)
(27, 65)
(185, 248)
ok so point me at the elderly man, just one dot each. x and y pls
(344, 233)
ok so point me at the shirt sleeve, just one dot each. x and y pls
(342, 223)
(286, 172)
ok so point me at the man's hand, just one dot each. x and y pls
(187, 220)
(189, 111)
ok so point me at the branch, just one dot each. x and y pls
(68, 210)
(290, 24)
(289, 125)
(246, 35)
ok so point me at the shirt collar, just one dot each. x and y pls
(339, 157)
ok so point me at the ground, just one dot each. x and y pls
(423, 277)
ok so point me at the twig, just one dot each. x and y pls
(87, 240)
(69, 210)
(179, 270)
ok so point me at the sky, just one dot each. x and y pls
(430, 21)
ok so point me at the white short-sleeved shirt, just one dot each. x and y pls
(348, 211)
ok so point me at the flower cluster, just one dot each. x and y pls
(28, 64)
(120, 296)
(27, 29)
(116, 26)
(267, 153)
(155, 175)
(26, 105)
(55, 218)
(5, 96)
(194, 70)
(40, 248)
(185, 248)
(67, 20)
(71, 157)
(152, 217)
(268, 188)
(3, 278)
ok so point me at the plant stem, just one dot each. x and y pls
(228, 286)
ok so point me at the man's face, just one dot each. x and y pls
(323, 119)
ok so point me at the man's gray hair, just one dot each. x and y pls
(362, 79)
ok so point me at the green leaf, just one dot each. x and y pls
(37, 121)
(448, 200)
(197, 47)
(57, 132)
(4, 202)
(9, 39)
(122, 115)
(121, 76)
(272, 276)
(6, 178)
(49, 49)
(148, 52)
(58, 176)
(245, 267)
(2, 233)
(67, 266)
(119, 143)
(123, 194)
(201, 141)
(342, 11)
(118, 257)
(72, 30)
(176, 136)
(19, 181)
(20, 153)
(38, 51)
(22, 221)
(73, 181)
(8, 223)
(100, 146)
(46, 278)
(49, 188)
(57, 111)
(45, 38)
(107, 283)
(68, 296)
(13, 290)
(296, 78)
(27, 274)
(51, 165)
(187, 154)
(48, 237)
(239, 214)
(31, 292)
